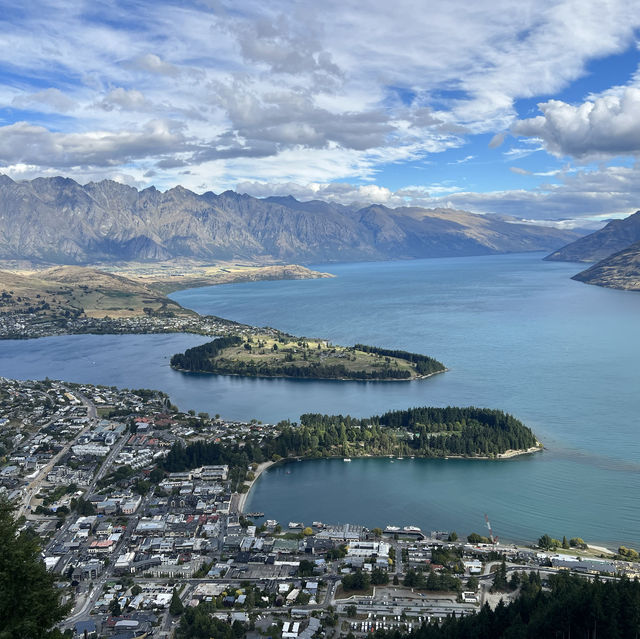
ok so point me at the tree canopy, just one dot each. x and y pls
(571, 607)
(29, 601)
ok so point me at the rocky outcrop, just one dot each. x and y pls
(615, 236)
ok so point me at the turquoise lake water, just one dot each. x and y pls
(516, 333)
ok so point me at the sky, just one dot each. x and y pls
(527, 108)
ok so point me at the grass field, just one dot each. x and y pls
(265, 350)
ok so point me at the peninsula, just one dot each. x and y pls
(276, 354)
(468, 432)
(130, 298)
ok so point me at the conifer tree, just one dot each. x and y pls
(29, 601)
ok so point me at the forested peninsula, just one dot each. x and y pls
(276, 354)
(421, 432)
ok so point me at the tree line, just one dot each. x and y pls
(423, 432)
(570, 607)
(311, 370)
(424, 364)
(198, 358)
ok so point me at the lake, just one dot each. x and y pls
(516, 333)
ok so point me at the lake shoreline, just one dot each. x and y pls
(311, 379)
(516, 332)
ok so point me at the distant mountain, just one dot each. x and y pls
(620, 270)
(614, 237)
(57, 220)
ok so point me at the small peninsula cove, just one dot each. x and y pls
(276, 354)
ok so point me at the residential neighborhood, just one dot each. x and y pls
(134, 546)
(17, 325)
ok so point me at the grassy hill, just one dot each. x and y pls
(139, 290)
(75, 290)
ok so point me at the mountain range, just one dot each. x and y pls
(59, 221)
(616, 250)
(615, 236)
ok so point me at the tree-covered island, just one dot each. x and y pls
(277, 354)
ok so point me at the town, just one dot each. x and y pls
(17, 325)
(141, 550)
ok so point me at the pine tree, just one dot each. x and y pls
(29, 601)
(500, 579)
(176, 607)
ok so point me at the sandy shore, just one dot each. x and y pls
(601, 549)
(243, 496)
(515, 453)
(508, 454)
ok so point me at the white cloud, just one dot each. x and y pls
(464, 160)
(607, 126)
(581, 199)
(130, 100)
(152, 63)
(24, 143)
(497, 140)
(50, 99)
(287, 91)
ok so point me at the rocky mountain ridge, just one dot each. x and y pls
(612, 238)
(58, 221)
(620, 270)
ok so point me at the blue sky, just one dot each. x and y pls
(529, 109)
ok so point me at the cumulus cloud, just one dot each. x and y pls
(285, 43)
(583, 196)
(24, 143)
(299, 92)
(129, 100)
(604, 127)
(152, 63)
(51, 98)
(289, 118)
(339, 192)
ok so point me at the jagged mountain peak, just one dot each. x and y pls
(57, 220)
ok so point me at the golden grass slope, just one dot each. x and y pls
(77, 289)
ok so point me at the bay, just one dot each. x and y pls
(516, 333)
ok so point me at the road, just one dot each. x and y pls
(33, 487)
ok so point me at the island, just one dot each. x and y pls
(277, 354)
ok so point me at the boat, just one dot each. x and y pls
(347, 459)
(295, 524)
